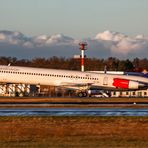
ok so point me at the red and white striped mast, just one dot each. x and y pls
(83, 47)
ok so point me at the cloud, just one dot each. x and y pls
(12, 37)
(122, 45)
(21, 46)
(57, 39)
(103, 45)
(110, 36)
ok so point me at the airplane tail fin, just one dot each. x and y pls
(145, 73)
(142, 74)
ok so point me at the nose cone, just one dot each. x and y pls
(142, 85)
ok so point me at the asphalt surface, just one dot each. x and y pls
(27, 107)
(73, 103)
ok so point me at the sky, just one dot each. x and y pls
(78, 20)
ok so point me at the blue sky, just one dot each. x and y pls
(45, 28)
(76, 18)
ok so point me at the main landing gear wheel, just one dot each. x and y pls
(82, 94)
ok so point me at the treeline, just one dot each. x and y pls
(93, 64)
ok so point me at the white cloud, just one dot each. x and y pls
(110, 36)
(28, 44)
(120, 44)
(12, 37)
(105, 44)
(54, 40)
(59, 39)
(2, 37)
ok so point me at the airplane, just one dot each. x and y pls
(142, 74)
(79, 81)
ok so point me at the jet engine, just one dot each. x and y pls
(127, 84)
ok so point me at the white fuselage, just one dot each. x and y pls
(29, 75)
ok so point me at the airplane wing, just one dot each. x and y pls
(75, 84)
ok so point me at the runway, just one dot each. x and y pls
(73, 112)
(73, 107)
(72, 103)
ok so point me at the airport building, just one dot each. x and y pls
(18, 90)
(138, 93)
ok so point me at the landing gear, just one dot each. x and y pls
(94, 93)
(82, 94)
(99, 93)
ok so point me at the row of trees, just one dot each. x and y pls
(95, 64)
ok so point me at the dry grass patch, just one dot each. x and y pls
(73, 131)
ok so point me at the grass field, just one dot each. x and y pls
(74, 132)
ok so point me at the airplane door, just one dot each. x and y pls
(105, 81)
